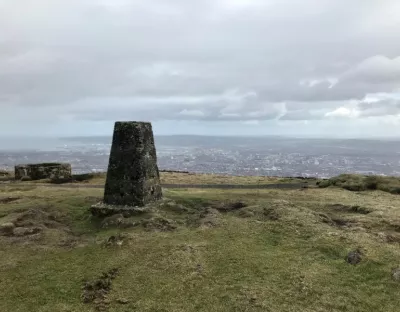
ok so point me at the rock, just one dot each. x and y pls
(43, 171)
(9, 199)
(396, 274)
(159, 223)
(115, 240)
(122, 301)
(7, 228)
(4, 173)
(97, 290)
(354, 257)
(23, 231)
(114, 220)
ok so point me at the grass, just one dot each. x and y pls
(353, 182)
(281, 252)
(185, 178)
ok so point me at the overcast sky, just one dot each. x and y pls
(286, 67)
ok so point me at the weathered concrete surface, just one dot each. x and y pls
(52, 171)
(4, 173)
(133, 178)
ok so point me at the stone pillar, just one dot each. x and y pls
(133, 178)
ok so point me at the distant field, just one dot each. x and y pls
(201, 250)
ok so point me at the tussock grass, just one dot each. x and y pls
(236, 262)
(353, 182)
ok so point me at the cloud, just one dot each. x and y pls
(205, 60)
(343, 112)
(193, 113)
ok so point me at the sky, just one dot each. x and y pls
(319, 68)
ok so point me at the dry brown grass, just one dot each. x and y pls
(189, 178)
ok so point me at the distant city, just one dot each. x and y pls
(266, 156)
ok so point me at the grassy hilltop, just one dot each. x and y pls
(202, 249)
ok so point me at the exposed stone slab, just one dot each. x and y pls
(54, 171)
(104, 210)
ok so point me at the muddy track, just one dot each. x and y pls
(178, 186)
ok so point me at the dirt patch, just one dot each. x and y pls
(97, 290)
(270, 213)
(7, 229)
(210, 217)
(39, 218)
(391, 238)
(7, 200)
(25, 231)
(38, 226)
(158, 224)
(115, 240)
(349, 209)
(246, 213)
(229, 206)
(392, 226)
(336, 221)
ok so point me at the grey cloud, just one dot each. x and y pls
(99, 60)
(384, 107)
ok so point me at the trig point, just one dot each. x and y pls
(133, 179)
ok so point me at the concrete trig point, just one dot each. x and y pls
(133, 179)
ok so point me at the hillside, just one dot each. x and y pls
(200, 249)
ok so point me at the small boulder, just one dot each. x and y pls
(159, 223)
(115, 240)
(354, 257)
(114, 220)
(23, 231)
(7, 228)
(396, 274)
(122, 301)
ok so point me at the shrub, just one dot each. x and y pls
(324, 183)
(371, 182)
(357, 183)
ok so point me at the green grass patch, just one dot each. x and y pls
(294, 262)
